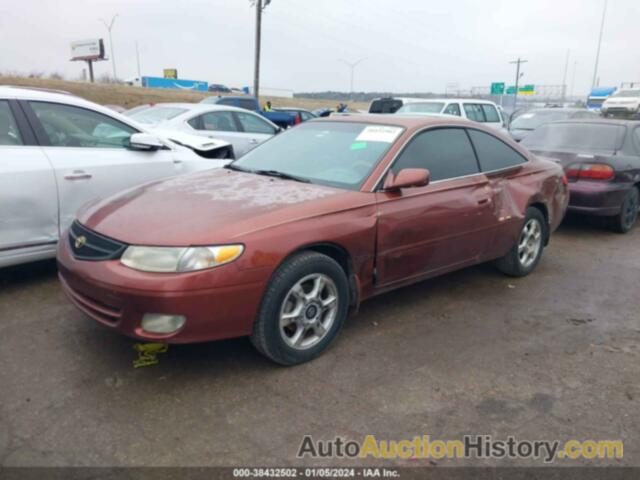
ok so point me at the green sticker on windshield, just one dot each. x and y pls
(358, 145)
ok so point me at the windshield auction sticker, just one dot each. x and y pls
(379, 133)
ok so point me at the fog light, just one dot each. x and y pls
(158, 323)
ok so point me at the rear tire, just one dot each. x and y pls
(303, 309)
(524, 256)
(624, 221)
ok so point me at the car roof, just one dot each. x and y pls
(557, 109)
(199, 107)
(461, 100)
(409, 122)
(36, 93)
(601, 121)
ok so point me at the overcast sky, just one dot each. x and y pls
(409, 45)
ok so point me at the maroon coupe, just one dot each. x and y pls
(284, 242)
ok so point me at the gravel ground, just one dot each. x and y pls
(554, 355)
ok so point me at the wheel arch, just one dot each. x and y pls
(342, 256)
(542, 207)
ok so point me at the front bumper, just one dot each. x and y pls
(596, 198)
(218, 303)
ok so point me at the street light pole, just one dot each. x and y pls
(109, 26)
(259, 5)
(352, 66)
(138, 61)
(564, 78)
(518, 63)
(595, 72)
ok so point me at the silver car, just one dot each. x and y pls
(59, 152)
(242, 128)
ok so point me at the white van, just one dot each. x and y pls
(481, 111)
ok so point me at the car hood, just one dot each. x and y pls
(211, 207)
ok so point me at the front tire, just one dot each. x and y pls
(524, 256)
(624, 221)
(303, 309)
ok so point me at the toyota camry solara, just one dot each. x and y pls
(283, 243)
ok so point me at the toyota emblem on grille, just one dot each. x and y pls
(80, 241)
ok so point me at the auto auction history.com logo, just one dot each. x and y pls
(470, 446)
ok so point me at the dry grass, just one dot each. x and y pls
(129, 97)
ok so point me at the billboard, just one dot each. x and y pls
(92, 49)
(170, 73)
(160, 82)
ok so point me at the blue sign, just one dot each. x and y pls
(175, 84)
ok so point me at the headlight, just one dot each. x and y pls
(185, 259)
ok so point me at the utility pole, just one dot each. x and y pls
(564, 78)
(573, 78)
(109, 26)
(595, 72)
(352, 66)
(138, 60)
(259, 5)
(518, 63)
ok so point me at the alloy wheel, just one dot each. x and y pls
(630, 211)
(308, 311)
(530, 243)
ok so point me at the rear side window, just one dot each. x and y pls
(445, 152)
(474, 112)
(453, 109)
(215, 121)
(490, 113)
(247, 104)
(494, 154)
(388, 105)
(254, 124)
(226, 101)
(9, 133)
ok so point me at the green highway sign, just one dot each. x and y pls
(511, 91)
(497, 88)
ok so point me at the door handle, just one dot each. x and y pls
(254, 141)
(484, 201)
(78, 175)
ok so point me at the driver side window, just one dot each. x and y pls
(69, 126)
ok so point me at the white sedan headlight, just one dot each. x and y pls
(179, 259)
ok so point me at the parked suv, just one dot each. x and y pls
(481, 111)
(623, 103)
(59, 152)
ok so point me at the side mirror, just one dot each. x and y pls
(144, 141)
(407, 178)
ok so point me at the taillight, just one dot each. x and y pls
(590, 171)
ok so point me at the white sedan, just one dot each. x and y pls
(242, 128)
(58, 152)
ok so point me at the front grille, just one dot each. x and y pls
(89, 245)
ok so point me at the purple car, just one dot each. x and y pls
(601, 159)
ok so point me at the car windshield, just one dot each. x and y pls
(580, 137)
(532, 120)
(627, 93)
(425, 107)
(337, 154)
(154, 115)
